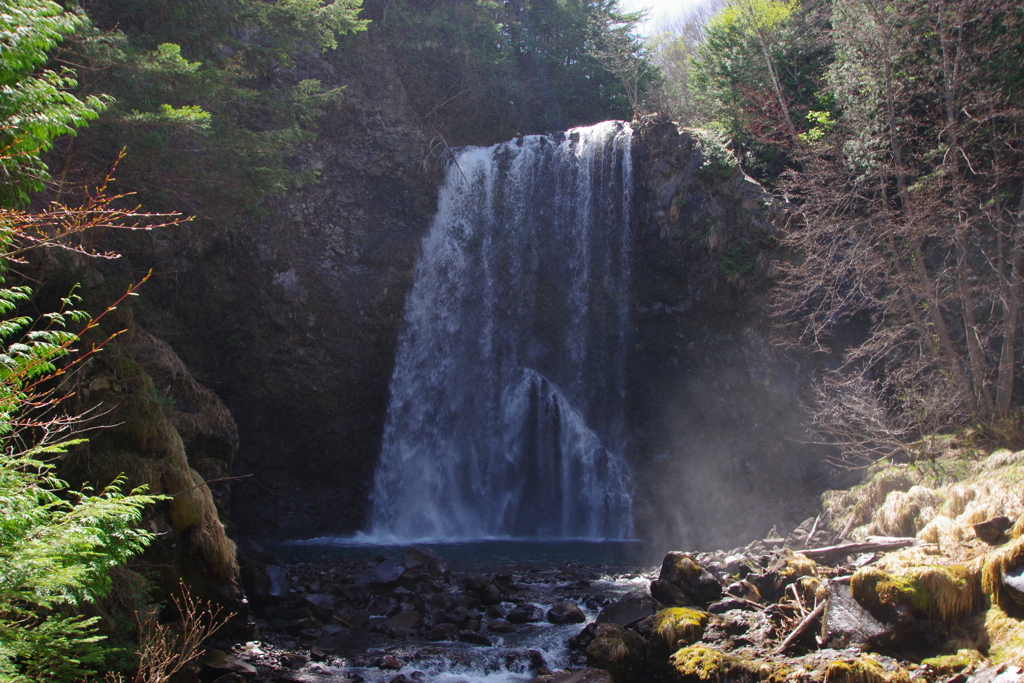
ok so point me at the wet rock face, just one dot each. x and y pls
(714, 406)
(293, 318)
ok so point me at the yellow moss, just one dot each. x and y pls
(947, 592)
(679, 626)
(947, 665)
(798, 565)
(686, 567)
(702, 662)
(863, 669)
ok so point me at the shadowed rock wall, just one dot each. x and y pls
(293, 319)
(715, 407)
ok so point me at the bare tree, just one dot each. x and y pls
(911, 217)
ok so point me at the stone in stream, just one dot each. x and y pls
(443, 632)
(581, 676)
(501, 626)
(566, 613)
(474, 638)
(525, 613)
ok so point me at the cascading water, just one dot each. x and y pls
(506, 415)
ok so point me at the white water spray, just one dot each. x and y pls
(507, 400)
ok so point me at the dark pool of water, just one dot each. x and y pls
(485, 555)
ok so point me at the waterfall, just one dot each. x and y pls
(507, 400)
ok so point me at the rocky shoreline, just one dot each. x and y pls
(766, 612)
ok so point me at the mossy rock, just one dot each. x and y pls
(796, 566)
(948, 665)
(947, 593)
(863, 669)
(677, 627)
(618, 651)
(702, 663)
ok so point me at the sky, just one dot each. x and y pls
(660, 11)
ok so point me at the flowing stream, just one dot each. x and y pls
(506, 417)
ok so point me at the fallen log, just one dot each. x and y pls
(802, 627)
(872, 544)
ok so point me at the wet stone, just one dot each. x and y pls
(525, 613)
(474, 638)
(443, 632)
(500, 626)
(566, 613)
(847, 624)
(632, 608)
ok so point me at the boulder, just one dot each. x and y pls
(684, 572)
(630, 609)
(1013, 584)
(566, 613)
(616, 650)
(474, 638)
(669, 594)
(404, 620)
(421, 557)
(848, 624)
(390, 569)
(525, 613)
(277, 581)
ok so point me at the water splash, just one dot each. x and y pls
(506, 415)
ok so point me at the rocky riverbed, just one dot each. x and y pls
(764, 612)
(913, 575)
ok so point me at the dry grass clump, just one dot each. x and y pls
(895, 501)
(855, 507)
(1005, 636)
(904, 512)
(945, 532)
